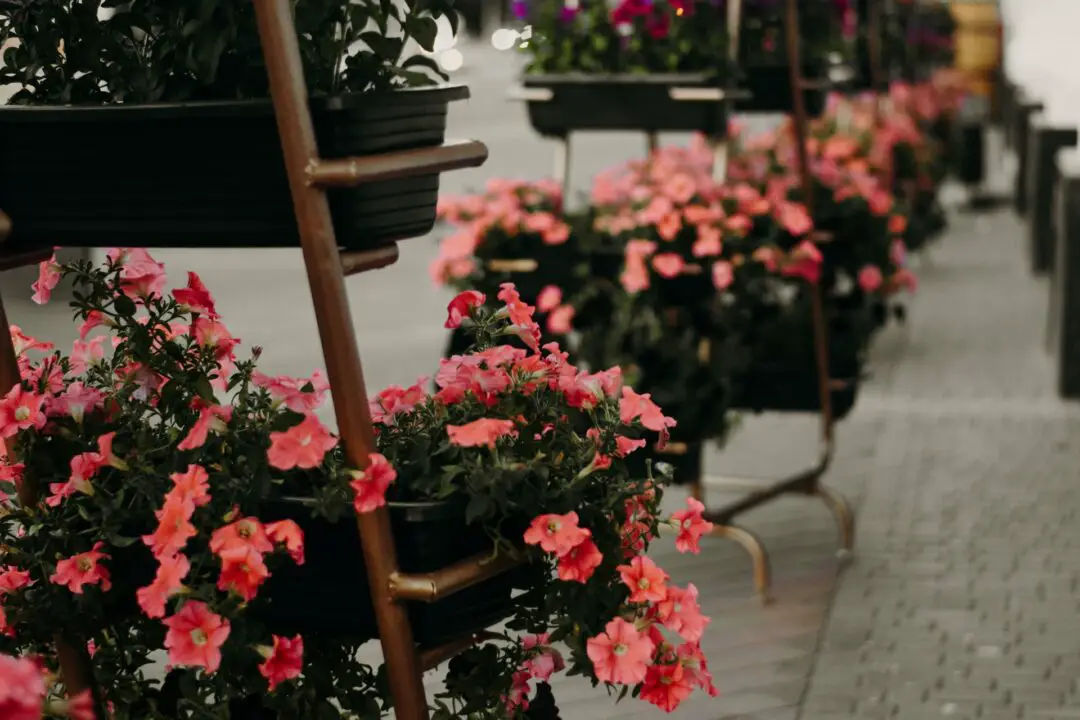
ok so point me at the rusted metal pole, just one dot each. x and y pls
(433, 586)
(874, 33)
(289, 92)
(821, 333)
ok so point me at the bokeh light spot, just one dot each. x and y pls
(451, 60)
(504, 38)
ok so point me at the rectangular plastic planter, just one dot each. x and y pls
(330, 592)
(208, 174)
(652, 103)
(681, 102)
(790, 383)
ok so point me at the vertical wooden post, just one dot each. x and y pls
(821, 331)
(325, 277)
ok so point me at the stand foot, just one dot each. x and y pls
(844, 516)
(759, 556)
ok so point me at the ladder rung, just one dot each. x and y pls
(432, 586)
(347, 172)
(433, 657)
(10, 261)
(358, 261)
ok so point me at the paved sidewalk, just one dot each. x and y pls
(963, 602)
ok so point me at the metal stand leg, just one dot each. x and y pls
(561, 171)
(652, 143)
(845, 518)
(759, 556)
(720, 159)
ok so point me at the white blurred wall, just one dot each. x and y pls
(1041, 49)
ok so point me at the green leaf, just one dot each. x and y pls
(424, 61)
(202, 388)
(478, 507)
(124, 306)
(423, 30)
(386, 48)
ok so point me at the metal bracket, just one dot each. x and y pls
(697, 94)
(520, 93)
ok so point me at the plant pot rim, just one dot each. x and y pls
(223, 108)
(583, 78)
(415, 511)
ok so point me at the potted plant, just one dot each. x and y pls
(902, 146)
(657, 66)
(517, 232)
(175, 518)
(693, 251)
(182, 87)
(861, 268)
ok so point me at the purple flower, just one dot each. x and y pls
(567, 14)
(520, 9)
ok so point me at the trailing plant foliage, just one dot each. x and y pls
(686, 36)
(183, 50)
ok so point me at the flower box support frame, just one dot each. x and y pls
(807, 482)
(723, 97)
(309, 177)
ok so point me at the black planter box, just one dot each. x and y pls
(783, 388)
(770, 89)
(330, 592)
(207, 174)
(625, 102)
(581, 101)
(790, 383)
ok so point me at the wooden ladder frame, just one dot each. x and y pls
(309, 178)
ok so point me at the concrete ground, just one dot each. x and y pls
(963, 596)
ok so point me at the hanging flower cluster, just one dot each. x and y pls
(510, 220)
(524, 430)
(671, 219)
(138, 489)
(26, 693)
(138, 471)
(862, 222)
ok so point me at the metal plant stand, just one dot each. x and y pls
(807, 482)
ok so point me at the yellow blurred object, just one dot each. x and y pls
(977, 44)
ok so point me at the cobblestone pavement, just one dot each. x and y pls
(962, 599)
